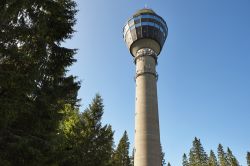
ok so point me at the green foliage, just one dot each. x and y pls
(222, 156)
(69, 122)
(33, 82)
(66, 136)
(212, 161)
(248, 158)
(132, 157)
(121, 154)
(231, 158)
(86, 139)
(185, 160)
(197, 155)
(169, 164)
(163, 161)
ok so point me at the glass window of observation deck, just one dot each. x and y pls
(147, 24)
(137, 21)
(150, 31)
(137, 18)
(138, 25)
(148, 16)
(139, 32)
(131, 22)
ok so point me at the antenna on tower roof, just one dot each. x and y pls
(146, 6)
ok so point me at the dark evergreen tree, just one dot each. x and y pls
(89, 143)
(192, 160)
(222, 156)
(169, 164)
(231, 159)
(197, 155)
(34, 86)
(212, 161)
(185, 160)
(132, 157)
(163, 161)
(121, 154)
(248, 158)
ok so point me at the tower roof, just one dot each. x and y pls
(145, 10)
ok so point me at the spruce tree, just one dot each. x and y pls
(34, 86)
(192, 159)
(94, 141)
(231, 159)
(163, 162)
(86, 141)
(69, 138)
(169, 164)
(198, 156)
(248, 158)
(121, 154)
(222, 156)
(185, 160)
(212, 161)
(132, 157)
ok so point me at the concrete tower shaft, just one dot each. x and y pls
(145, 34)
(147, 134)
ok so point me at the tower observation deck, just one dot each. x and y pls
(145, 34)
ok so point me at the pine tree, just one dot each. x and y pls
(222, 156)
(121, 154)
(231, 158)
(212, 161)
(34, 86)
(248, 158)
(169, 164)
(185, 160)
(197, 155)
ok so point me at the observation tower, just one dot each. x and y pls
(144, 34)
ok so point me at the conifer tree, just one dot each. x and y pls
(197, 155)
(169, 164)
(132, 157)
(185, 160)
(192, 159)
(248, 158)
(86, 140)
(34, 86)
(163, 162)
(231, 159)
(68, 137)
(212, 161)
(95, 139)
(222, 156)
(121, 154)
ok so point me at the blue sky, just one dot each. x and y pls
(204, 80)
